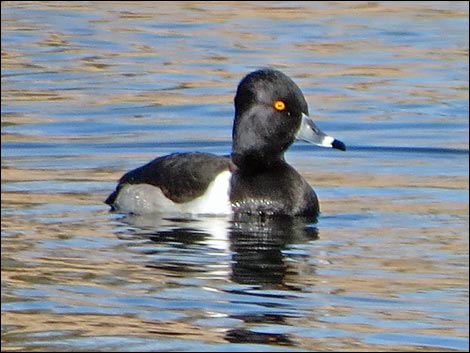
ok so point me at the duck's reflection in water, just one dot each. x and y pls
(255, 243)
(256, 247)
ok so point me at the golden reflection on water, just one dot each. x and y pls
(59, 253)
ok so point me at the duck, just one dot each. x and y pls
(271, 113)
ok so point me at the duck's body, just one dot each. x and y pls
(277, 190)
(270, 113)
(177, 183)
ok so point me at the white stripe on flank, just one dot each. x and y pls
(146, 198)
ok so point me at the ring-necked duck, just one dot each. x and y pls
(270, 113)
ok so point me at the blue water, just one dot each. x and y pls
(92, 91)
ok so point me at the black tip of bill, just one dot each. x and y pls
(338, 145)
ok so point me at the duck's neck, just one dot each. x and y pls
(256, 162)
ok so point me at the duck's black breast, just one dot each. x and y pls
(278, 190)
(181, 177)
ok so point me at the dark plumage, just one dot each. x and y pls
(270, 114)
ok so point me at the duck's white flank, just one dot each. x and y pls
(146, 199)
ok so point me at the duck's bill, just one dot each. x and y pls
(309, 132)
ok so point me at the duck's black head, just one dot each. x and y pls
(270, 113)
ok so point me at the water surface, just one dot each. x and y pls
(92, 90)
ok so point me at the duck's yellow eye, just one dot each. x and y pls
(279, 105)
